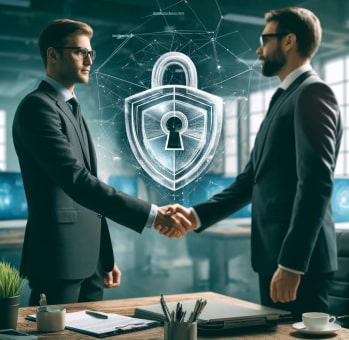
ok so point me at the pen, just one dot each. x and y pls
(96, 314)
(165, 308)
(199, 306)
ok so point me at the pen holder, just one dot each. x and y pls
(50, 318)
(180, 331)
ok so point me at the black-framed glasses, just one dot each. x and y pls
(263, 38)
(80, 51)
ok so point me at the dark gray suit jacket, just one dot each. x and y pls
(289, 179)
(66, 230)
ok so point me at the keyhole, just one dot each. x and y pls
(174, 126)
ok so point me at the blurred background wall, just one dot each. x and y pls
(221, 37)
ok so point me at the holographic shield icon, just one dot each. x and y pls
(173, 130)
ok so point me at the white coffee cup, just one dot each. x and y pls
(315, 321)
(50, 318)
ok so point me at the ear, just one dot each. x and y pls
(51, 54)
(290, 43)
(291, 39)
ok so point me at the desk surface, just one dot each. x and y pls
(11, 238)
(127, 307)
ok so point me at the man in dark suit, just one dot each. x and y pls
(67, 251)
(289, 175)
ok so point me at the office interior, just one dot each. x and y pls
(221, 37)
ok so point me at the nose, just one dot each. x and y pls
(88, 60)
(259, 50)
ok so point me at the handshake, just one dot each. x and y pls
(174, 220)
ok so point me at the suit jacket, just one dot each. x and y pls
(289, 180)
(66, 231)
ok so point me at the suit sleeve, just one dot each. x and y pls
(316, 129)
(47, 138)
(228, 201)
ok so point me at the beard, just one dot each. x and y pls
(273, 64)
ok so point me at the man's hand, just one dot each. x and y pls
(187, 212)
(113, 279)
(284, 285)
(178, 221)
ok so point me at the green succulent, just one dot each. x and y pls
(11, 282)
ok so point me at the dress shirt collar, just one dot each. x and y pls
(61, 90)
(294, 75)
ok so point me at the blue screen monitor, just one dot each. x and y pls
(210, 185)
(13, 203)
(126, 184)
(340, 200)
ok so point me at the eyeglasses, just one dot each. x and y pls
(263, 37)
(80, 51)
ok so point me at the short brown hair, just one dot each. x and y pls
(56, 32)
(303, 23)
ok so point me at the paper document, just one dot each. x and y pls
(102, 327)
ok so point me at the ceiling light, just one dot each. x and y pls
(244, 19)
(16, 3)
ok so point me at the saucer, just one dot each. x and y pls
(331, 328)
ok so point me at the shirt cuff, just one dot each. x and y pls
(152, 215)
(197, 218)
(291, 270)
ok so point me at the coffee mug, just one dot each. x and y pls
(50, 318)
(314, 321)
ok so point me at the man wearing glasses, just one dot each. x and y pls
(289, 176)
(67, 251)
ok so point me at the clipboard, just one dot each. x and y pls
(113, 324)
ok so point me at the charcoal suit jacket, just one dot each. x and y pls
(66, 231)
(289, 180)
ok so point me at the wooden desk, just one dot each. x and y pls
(10, 238)
(127, 307)
(11, 244)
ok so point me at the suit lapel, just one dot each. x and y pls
(68, 113)
(263, 131)
(65, 109)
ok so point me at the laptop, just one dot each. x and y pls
(219, 315)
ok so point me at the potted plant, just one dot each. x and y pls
(11, 286)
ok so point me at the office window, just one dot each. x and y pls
(2, 140)
(258, 105)
(336, 74)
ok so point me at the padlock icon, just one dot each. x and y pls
(173, 130)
